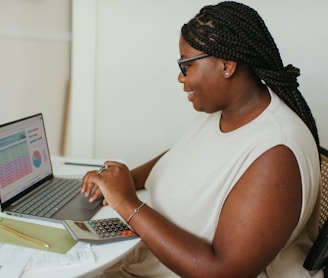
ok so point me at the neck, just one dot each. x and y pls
(248, 102)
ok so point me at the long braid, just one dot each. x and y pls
(236, 32)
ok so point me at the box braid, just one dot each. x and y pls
(236, 32)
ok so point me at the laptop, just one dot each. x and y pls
(26, 175)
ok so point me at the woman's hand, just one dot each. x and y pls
(115, 183)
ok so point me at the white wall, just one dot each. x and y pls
(35, 62)
(81, 111)
(140, 108)
(130, 105)
(127, 101)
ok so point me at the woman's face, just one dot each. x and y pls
(204, 81)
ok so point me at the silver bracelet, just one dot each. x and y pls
(135, 211)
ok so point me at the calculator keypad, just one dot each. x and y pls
(111, 228)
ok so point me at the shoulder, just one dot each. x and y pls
(263, 208)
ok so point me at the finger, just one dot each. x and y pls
(84, 182)
(115, 163)
(94, 196)
(89, 182)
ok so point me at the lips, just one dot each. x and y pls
(190, 95)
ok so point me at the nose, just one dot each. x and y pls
(181, 77)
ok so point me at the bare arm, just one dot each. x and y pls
(139, 176)
(256, 221)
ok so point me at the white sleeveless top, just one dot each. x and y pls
(191, 182)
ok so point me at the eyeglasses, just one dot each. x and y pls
(181, 62)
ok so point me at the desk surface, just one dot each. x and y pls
(105, 254)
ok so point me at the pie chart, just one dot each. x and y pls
(36, 159)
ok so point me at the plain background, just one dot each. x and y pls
(120, 56)
(35, 59)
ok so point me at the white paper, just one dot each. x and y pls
(13, 260)
(80, 254)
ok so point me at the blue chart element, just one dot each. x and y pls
(36, 159)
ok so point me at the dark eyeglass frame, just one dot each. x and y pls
(181, 62)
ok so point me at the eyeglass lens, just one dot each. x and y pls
(182, 61)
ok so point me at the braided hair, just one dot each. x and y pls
(236, 32)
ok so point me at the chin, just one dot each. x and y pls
(197, 108)
(202, 109)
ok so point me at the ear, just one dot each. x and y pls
(229, 68)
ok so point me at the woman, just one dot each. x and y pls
(237, 195)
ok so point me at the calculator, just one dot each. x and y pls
(99, 230)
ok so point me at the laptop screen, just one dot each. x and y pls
(24, 156)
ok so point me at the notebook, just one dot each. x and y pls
(26, 175)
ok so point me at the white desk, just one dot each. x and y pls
(105, 254)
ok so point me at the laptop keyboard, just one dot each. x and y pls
(47, 202)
